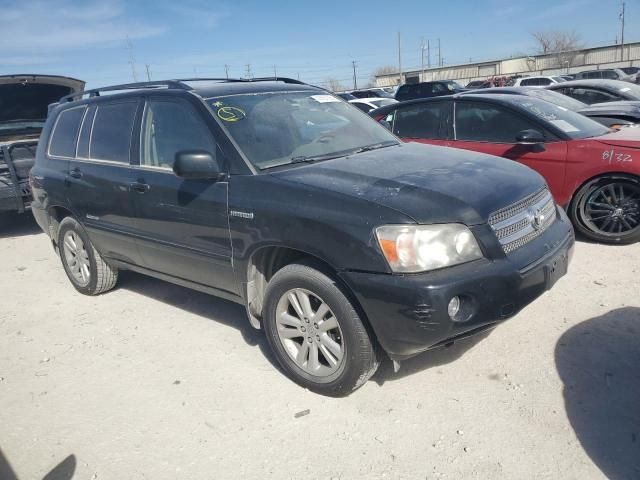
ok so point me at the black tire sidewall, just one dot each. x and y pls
(355, 337)
(575, 211)
(71, 224)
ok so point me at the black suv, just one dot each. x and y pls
(413, 91)
(341, 241)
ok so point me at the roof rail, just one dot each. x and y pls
(126, 86)
(180, 84)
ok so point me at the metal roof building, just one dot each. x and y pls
(609, 56)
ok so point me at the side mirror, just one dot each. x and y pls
(530, 137)
(196, 165)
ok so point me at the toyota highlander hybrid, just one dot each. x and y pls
(342, 242)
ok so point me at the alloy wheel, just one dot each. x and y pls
(309, 332)
(77, 258)
(613, 209)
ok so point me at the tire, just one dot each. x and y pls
(330, 370)
(600, 213)
(93, 275)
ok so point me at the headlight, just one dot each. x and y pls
(418, 248)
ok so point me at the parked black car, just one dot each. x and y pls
(598, 91)
(412, 91)
(610, 114)
(340, 240)
(23, 109)
(371, 93)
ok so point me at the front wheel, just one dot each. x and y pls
(607, 210)
(316, 334)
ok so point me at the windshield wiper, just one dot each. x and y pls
(375, 146)
(316, 158)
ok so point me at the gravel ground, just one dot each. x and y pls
(156, 381)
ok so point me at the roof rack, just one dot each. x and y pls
(180, 84)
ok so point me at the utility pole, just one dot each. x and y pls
(248, 65)
(132, 59)
(148, 72)
(428, 55)
(622, 34)
(355, 80)
(439, 54)
(422, 47)
(399, 59)
(226, 70)
(275, 72)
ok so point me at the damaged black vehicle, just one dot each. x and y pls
(24, 100)
(342, 242)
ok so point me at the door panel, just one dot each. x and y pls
(182, 224)
(98, 190)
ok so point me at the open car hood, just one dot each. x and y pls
(27, 96)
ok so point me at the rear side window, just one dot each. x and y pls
(590, 95)
(111, 134)
(420, 121)
(610, 74)
(63, 140)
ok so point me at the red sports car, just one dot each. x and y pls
(592, 171)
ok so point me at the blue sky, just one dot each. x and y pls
(316, 40)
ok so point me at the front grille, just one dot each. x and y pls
(518, 224)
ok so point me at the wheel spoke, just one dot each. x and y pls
(289, 320)
(305, 303)
(329, 357)
(314, 363)
(323, 309)
(612, 193)
(293, 300)
(303, 353)
(329, 324)
(290, 333)
(332, 345)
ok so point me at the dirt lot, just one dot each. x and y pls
(156, 381)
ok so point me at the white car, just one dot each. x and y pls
(538, 81)
(368, 104)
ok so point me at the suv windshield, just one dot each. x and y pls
(571, 123)
(281, 128)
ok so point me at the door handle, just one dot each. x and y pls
(75, 173)
(139, 187)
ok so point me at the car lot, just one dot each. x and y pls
(157, 381)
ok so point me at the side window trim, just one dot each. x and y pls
(55, 126)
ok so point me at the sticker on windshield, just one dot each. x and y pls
(565, 126)
(625, 89)
(324, 98)
(231, 114)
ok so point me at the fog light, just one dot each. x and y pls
(454, 307)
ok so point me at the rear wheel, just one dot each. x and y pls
(316, 334)
(84, 266)
(607, 210)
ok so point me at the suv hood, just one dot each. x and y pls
(628, 137)
(26, 97)
(429, 184)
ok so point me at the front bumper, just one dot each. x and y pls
(409, 312)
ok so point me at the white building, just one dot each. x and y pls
(610, 56)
